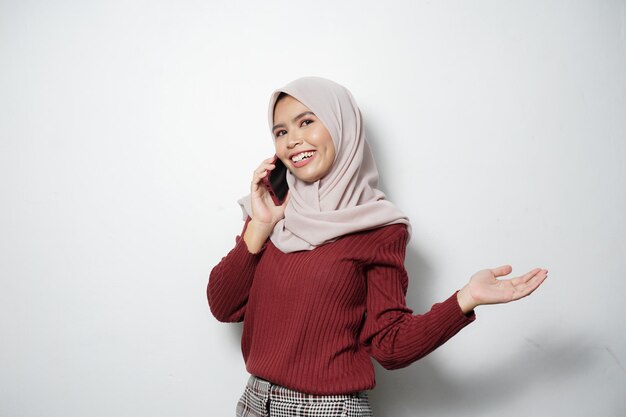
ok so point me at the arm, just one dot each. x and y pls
(230, 281)
(265, 214)
(395, 337)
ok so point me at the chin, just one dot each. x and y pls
(309, 176)
(307, 179)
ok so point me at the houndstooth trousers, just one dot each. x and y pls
(264, 399)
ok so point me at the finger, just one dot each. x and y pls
(526, 288)
(256, 178)
(263, 165)
(502, 270)
(261, 172)
(529, 287)
(267, 162)
(262, 169)
(526, 277)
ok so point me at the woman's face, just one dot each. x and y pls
(302, 141)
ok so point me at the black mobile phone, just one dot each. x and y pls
(276, 182)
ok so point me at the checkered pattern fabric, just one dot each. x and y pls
(264, 399)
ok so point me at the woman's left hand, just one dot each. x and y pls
(485, 288)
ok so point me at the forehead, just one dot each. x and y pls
(287, 107)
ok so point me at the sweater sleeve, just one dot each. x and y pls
(392, 334)
(230, 281)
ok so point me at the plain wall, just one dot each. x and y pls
(128, 130)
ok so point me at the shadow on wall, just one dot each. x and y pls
(423, 389)
(235, 331)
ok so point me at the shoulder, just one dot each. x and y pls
(369, 242)
(387, 234)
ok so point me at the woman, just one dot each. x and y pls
(319, 281)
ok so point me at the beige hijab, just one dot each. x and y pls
(347, 199)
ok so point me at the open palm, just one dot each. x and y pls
(484, 286)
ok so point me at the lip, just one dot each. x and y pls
(291, 155)
(304, 161)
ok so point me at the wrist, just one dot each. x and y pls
(465, 300)
(255, 236)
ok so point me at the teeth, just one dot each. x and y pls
(301, 156)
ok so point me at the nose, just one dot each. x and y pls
(293, 140)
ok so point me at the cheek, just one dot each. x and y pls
(330, 148)
(324, 140)
(278, 147)
(329, 157)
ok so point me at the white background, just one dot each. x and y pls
(129, 128)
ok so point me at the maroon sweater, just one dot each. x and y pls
(312, 319)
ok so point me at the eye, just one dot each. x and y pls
(279, 133)
(306, 122)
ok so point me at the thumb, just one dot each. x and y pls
(502, 270)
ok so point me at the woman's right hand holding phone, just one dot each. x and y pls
(265, 214)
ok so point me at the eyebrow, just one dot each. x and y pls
(304, 113)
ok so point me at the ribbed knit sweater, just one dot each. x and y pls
(312, 319)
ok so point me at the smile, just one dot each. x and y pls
(302, 158)
(302, 155)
